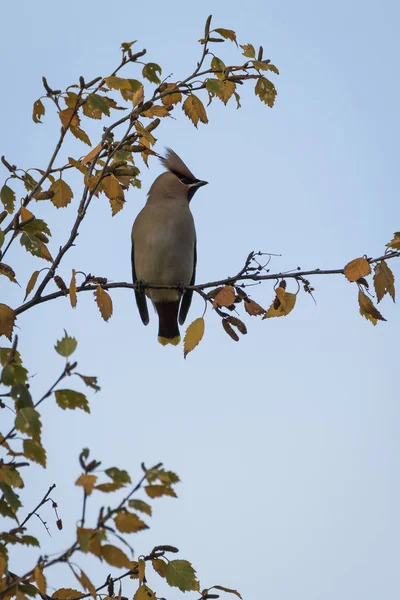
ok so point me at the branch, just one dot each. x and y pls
(240, 277)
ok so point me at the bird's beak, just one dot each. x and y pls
(199, 183)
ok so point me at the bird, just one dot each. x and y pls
(164, 247)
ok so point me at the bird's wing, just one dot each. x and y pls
(139, 294)
(187, 296)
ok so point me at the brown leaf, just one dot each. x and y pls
(7, 320)
(40, 580)
(25, 214)
(31, 283)
(156, 491)
(72, 289)
(68, 118)
(193, 336)
(92, 154)
(253, 309)
(127, 522)
(159, 566)
(227, 327)
(395, 242)
(359, 267)
(283, 304)
(104, 303)
(383, 281)
(66, 594)
(171, 98)
(38, 111)
(238, 324)
(87, 481)
(8, 272)
(114, 556)
(194, 110)
(62, 193)
(225, 297)
(368, 310)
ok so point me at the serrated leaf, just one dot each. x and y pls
(96, 104)
(193, 336)
(150, 72)
(264, 66)
(71, 99)
(228, 34)
(194, 110)
(248, 50)
(181, 574)
(127, 522)
(218, 65)
(170, 97)
(35, 451)
(86, 584)
(7, 196)
(68, 118)
(114, 556)
(66, 594)
(29, 540)
(156, 111)
(31, 283)
(253, 309)
(6, 511)
(90, 381)
(144, 593)
(359, 267)
(225, 297)
(368, 310)
(66, 346)
(107, 488)
(87, 481)
(283, 304)
(2, 238)
(104, 303)
(7, 320)
(71, 399)
(3, 560)
(29, 182)
(72, 289)
(35, 226)
(119, 83)
(141, 506)
(38, 111)
(35, 246)
(395, 242)
(10, 497)
(62, 193)
(383, 281)
(266, 91)
(156, 491)
(78, 165)
(118, 475)
(80, 135)
(28, 421)
(160, 566)
(8, 272)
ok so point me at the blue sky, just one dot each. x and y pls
(287, 442)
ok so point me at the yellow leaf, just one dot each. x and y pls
(159, 566)
(72, 289)
(225, 589)
(38, 111)
(31, 283)
(359, 267)
(368, 310)
(144, 593)
(92, 154)
(383, 280)
(68, 118)
(87, 481)
(81, 135)
(156, 491)
(8, 272)
(25, 214)
(266, 91)
(228, 34)
(283, 304)
(3, 567)
(104, 303)
(138, 96)
(127, 522)
(193, 336)
(194, 110)
(78, 165)
(253, 309)
(248, 50)
(119, 83)
(169, 97)
(112, 188)
(227, 90)
(86, 583)
(395, 242)
(40, 580)
(156, 111)
(225, 297)
(62, 193)
(7, 320)
(144, 134)
(141, 569)
(109, 487)
(66, 594)
(116, 205)
(114, 556)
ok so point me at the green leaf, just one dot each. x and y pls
(118, 475)
(228, 34)
(35, 246)
(10, 497)
(71, 399)
(266, 91)
(35, 451)
(248, 50)
(141, 506)
(218, 65)
(66, 346)
(97, 102)
(4, 354)
(7, 196)
(2, 237)
(6, 511)
(29, 540)
(28, 421)
(35, 226)
(214, 86)
(29, 182)
(150, 72)
(180, 574)
(264, 66)
(13, 374)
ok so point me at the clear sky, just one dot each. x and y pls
(287, 443)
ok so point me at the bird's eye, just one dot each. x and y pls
(186, 180)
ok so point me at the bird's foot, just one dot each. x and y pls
(140, 286)
(180, 286)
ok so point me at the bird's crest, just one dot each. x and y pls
(176, 165)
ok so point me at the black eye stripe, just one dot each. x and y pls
(185, 180)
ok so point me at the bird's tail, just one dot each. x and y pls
(168, 330)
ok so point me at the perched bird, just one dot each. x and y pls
(164, 247)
